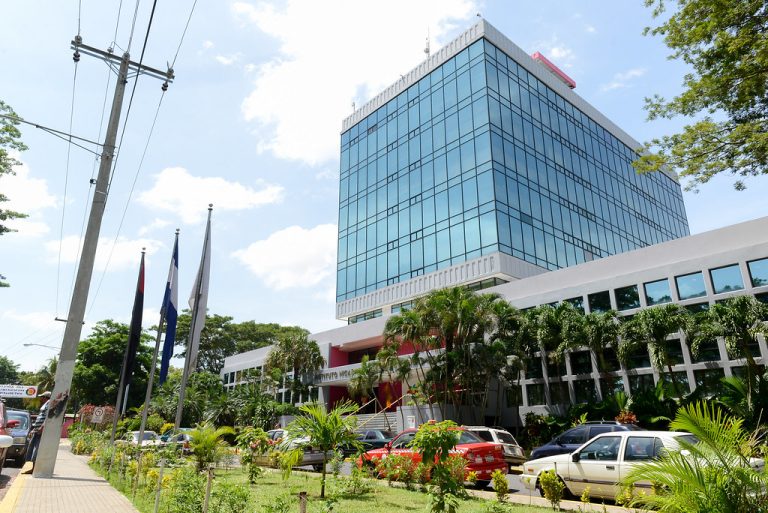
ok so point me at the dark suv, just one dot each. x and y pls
(572, 439)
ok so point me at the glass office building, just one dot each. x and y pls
(485, 153)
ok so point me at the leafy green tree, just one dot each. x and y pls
(10, 140)
(98, 364)
(650, 328)
(9, 371)
(298, 355)
(326, 430)
(221, 338)
(714, 474)
(726, 46)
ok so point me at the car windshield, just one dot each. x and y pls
(23, 419)
(148, 435)
(469, 438)
(689, 439)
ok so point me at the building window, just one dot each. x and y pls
(599, 301)
(535, 394)
(627, 298)
(577, 302)
(657, 292)
(697, 307)
(581, 362)
(709, 380)
(639, 358)
(675, 351)
(682, 381)
(726, 279)
(611, 387)
(514, 396)
(690, 285)
(584, 390)
(640, 382)
(758, 272)
(708, 352)
(533, 371)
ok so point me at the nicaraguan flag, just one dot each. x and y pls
(170, 311)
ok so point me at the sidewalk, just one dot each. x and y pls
(74, 488)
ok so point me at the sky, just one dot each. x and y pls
(252, 124)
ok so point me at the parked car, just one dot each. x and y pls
(150, 438)
(370, 439)
(482, 457)
(311, 457)
(513, 453)
(603, 462)
(181, 438)
(6, 440)
(18, 450)
(571, 439)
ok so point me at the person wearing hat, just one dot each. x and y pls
(33, 438)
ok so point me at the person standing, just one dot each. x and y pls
(37, 428)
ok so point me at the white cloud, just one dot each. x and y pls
(327, 174)
(293, 257)
(590, 29)
(556, 51)
(177, 191)
(125, 253)
(156, 224)
(300, 98)
(41, 320)
(228, 60)
(207, 44)
(561, 53)
(249, 68)
(621, 80)
(29, 196)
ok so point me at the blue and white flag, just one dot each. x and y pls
(169, 311)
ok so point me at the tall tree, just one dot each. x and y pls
(651, 328)
(726, 45)
(10, 140)
(298, 355)
(9, 371)
(598, 331)
(99, 359)
(364, 379)
(221, 338)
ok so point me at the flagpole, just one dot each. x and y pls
(124, 372)
(151, 381)
(189, 361)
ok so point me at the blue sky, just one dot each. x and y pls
(251, 124)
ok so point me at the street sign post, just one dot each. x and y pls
(98, 415)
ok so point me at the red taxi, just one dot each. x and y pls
(483, 458)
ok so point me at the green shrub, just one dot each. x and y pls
(186, 491)
(500, 485)
(357, 484)
(397, 468)
(229, 498)
(552, 486)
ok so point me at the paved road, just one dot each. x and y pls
(10, 471)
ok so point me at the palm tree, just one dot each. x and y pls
(598, 331)
(651, 328)
(46, 376)
(550, 327)
(325, 430)
(715, 474)
(739, 320)
(299, 355)
(363, 380)
(205, 441)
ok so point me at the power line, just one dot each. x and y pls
(184, 33)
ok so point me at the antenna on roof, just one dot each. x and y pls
(426, 48)
(353, 105)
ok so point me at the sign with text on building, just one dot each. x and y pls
(18, 391)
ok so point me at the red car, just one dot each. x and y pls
(6, 440)
(482, 457)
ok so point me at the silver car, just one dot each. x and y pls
(513, 453)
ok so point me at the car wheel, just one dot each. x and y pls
(482, 484)
(318, 467)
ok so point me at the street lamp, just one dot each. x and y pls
(42, 345)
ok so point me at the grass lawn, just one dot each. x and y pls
(273, 494)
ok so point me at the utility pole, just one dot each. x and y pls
(57, 405)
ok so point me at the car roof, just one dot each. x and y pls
(661, 434)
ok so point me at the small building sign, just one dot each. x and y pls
(98, 415)
(18, 391)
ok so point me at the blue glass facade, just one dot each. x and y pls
(479, 156)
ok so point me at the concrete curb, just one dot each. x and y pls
(8, 504)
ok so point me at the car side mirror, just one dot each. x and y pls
(12, 424)
(575, 457)
(559, 442)
(388, 446)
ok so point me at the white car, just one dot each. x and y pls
(513, 453)
(604, 461)
(150, 438)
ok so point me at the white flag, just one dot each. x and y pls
(198, 300)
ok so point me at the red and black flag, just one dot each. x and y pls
(134, 338)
